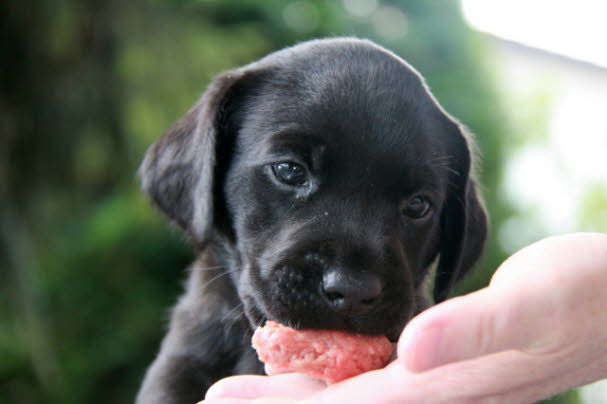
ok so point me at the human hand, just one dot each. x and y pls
(538, 329)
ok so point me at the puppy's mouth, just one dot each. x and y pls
(394, 335)
(256, 318)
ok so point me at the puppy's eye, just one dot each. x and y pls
(290, 173)
(417, 207)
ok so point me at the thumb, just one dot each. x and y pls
(466, 327)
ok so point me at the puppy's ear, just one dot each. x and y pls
(178, 171)
(464, 218)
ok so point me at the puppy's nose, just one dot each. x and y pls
(350, 294)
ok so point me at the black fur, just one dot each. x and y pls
(344, 250)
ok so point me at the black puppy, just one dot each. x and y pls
(319, 185)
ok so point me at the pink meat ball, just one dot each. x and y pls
(323, 354)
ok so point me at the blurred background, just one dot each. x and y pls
(88, 269)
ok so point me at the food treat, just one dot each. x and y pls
(323, 354)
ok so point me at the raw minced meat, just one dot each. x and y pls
(324, 354)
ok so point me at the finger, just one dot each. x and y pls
(505, 378)
(470, 326)
(379, 386)
(292, 385)
(556, 258)
(502, 378)
(265, 400)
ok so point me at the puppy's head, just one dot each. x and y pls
(332, 180)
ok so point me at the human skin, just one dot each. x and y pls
(537, 330)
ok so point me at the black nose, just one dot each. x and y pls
(350, 293)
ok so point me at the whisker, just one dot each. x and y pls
(452, 170)
(439, 159)
(206, 285)
(207, 268)
(234, 320)
(231, 311)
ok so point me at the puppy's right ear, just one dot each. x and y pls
(178, 170)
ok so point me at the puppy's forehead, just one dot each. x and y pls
(354, 94)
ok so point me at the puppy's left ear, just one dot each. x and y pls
(464, 218)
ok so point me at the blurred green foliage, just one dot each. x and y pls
(87, 269)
